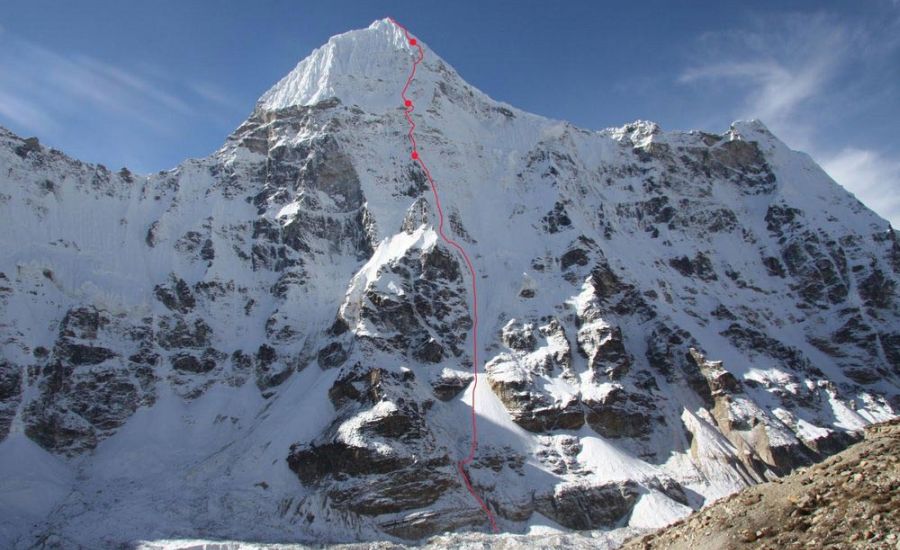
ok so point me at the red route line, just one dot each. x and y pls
(408, 109)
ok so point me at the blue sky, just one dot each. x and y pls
(148, 84)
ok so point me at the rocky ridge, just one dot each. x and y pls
(848, 501)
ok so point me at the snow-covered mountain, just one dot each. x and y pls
(273, 343)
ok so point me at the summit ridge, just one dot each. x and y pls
(361, 67)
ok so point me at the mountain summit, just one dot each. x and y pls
(365, 67)
(273, 344)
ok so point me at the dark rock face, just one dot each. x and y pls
(590, 506)
(332, 355)
(416, 216)
(430, 317)
(177, 333)
(429, 352)
(605, 349)
(700, 267)
(863, 375)
(537, 412)
(576, 256)
(10, 395)
(449, 385)
(86, 391)
(774, 266)
(177, 296)
(82, 323)
(561, 459)
(614, 296)
(313, 463)
(536, 355)
(270, 375)
(877, 290)
(325, 168)
(364, 478)
(189, 363)
(752, 340)
(621, 414)
(360, 385)
(743, 163)
(890, 343)
(28, 146)
(80, 354)
(557, 219)
(605, 282)
(668, 353)
(398, 488)
(816, 265)
(76, 409)
(519, 338)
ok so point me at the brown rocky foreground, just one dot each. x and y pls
(851, 500)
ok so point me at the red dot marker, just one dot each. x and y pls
(461, 465)
(408, 103)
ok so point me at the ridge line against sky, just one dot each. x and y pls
(148, 86)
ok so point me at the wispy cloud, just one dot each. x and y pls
(126, 84)
(212, 93)
(41, 87)
(777, 68)
(53, 94)
(773, 90)
(26, 114)
(803, 75)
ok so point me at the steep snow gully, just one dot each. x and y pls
(409, 108)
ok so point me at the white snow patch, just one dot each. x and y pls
(32, 483)
(654, 510)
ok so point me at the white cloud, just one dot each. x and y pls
(126, 84)
(874, 180)
(773, 90)
(49, 93)
(212, 93)
(777, 69)
(26, 114)
(802, 75)
(42, 88)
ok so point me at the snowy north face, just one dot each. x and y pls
(272, 344)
